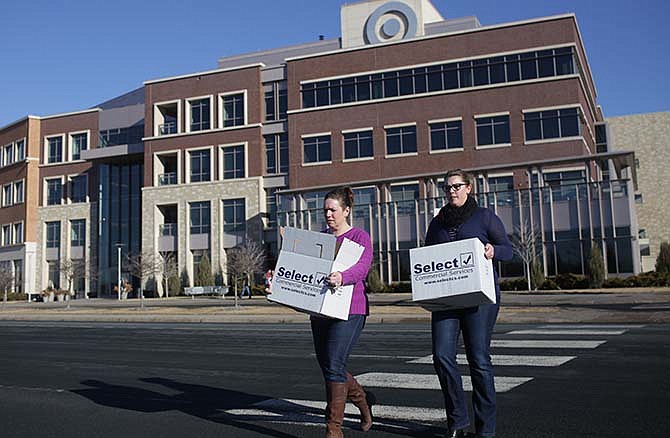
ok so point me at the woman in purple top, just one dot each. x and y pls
(334, 339)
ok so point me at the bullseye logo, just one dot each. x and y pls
(390, 22)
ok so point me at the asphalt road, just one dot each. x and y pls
(69, 379)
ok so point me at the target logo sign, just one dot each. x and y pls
(390, 22)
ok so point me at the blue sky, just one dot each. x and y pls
(62, 56)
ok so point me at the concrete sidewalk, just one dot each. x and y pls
(639, 305)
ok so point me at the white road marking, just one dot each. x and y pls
(508, 360)
(568, 332)
(508, 343)
(591, 326)
(429, 381)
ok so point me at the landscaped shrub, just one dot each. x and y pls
(513, 284)
(373, 283)
(571, 281)
(549, 284)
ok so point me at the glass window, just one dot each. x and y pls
(348, 90)
(9, 154)
(233, 110)
(276, 101)
(233, 162)
(20, 147)
(199, 213)
(363, 88)
(200, 165)
(53, 234)
(308, 95)
(493, 130)
(54, 191)
(390, 84)
(276, 153)
(451, 76)
(446, 135)
(54, 149)
(465, 74)
(322, 93)
(200, 114)
(406, 82)
(512, 68)
(316, 149)
(528, 66)
(18, 275)
(78, 188)
(18, 192)
(358, 145)
(270, 103)
(18, 232)
(551, 124)
(79, 142)
(435, 78)
(564, 61)
(497, 69)
(401, 140)
(481, 72)
(545, 63)
(271, 207)
(234, 216)
(6, 234)
(78, 232)
(7, 195)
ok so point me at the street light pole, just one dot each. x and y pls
(118, 269)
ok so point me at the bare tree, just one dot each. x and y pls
(525, 241)
(244, 260)
(143, 266)
(167, 268)
(72, 270)
(6, 280)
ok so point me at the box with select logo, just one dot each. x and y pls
(305, 261)
(452, 275)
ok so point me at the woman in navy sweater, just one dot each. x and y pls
(460, 219)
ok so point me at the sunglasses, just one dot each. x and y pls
(455, 187)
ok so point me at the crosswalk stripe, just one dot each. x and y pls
(508, 360)
(591, 326)
(509, 343)
(569, 332)
(276, 407)
(429, 381)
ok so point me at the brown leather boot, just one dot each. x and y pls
(336, 397)
(362, 400)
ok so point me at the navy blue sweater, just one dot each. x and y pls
(484, 225)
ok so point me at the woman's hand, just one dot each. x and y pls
(335, 279)
(489, 251)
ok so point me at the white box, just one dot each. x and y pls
(452, 275)
(305, 261)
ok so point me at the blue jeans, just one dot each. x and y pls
(333, 341)
(476, 324)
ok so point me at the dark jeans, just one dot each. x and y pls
(333, 341)
(476, 324)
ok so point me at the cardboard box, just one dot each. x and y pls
(305, 261)
(452, 275)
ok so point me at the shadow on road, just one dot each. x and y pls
(232, 408)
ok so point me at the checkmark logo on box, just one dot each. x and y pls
(466, 259)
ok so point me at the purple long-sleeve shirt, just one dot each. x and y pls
(356, 274)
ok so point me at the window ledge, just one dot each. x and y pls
(318, 163)
(410, 154)
(353, 160)
(553, 140)
(494, 146)
(446, 151)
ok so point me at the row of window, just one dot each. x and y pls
(13, 193)
(77, 233)
(435, 78)
(13, 152)
(199, 165)
(234, 216)
(55, 148)
(231, 106)
(446, 135)
(75, 191)
(12, 234)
